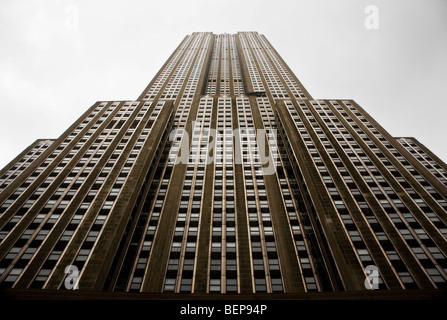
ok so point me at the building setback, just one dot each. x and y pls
(224, 176)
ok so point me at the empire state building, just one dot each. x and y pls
(225, 176)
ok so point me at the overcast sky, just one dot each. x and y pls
(57, 58)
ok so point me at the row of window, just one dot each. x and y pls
(137, 255)
(110, 201)
(161, 79)
(272, 79)
(343, 213)
(236, 69)
(225, 67)
(438, 171)
(407, 224)
(51, 158)
(180, 75)
(38, 222)
(304, 257)
(373, 178)
(252, 69)
(181, 265)
(408, 167)
(285, 74)
(214, 67)
(56, 205)
(23, 163)
(265, 265)
(223, 270)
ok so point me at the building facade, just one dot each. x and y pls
(224, 176)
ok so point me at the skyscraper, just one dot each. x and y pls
(224, 176)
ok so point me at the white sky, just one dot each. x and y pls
(57, 58)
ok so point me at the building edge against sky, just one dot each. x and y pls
(104, 207)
